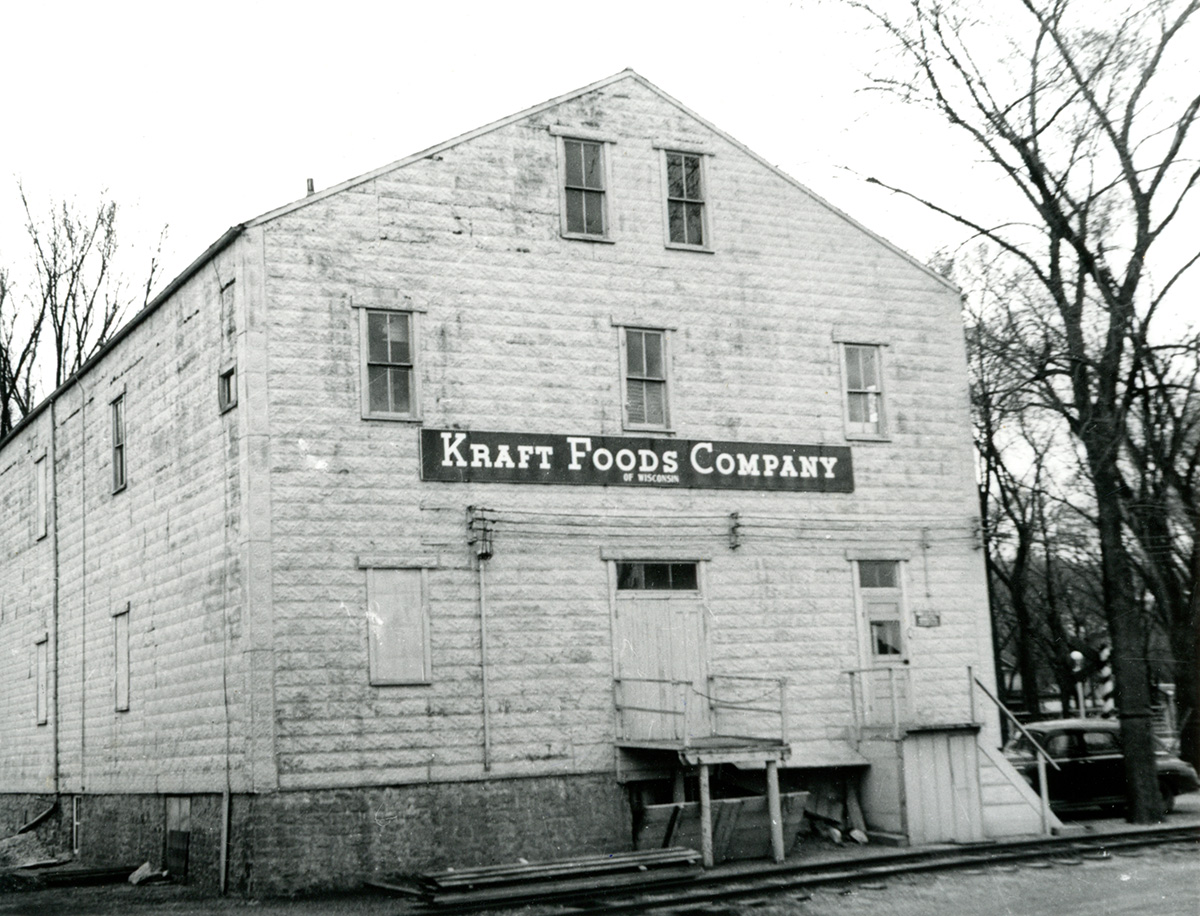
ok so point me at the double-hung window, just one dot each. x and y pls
(644, 378)
(863, 374)
(389, 379)
(585, 188)
(686, 216)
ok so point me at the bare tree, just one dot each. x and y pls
(19, 336)
(75, 300)
(1079, 124)
(1162, 493)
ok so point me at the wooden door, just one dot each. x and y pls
(887, 685)
(661, 666)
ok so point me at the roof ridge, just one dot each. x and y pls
(445, 144)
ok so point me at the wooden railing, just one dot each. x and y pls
(765, 690)
(864, 708)
(736, 705)
(677, 710)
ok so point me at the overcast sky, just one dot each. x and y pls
(203, 115)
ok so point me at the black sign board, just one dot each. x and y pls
(459, 456)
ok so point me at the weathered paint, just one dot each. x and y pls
(238, 541)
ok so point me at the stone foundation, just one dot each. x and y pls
(291, 842)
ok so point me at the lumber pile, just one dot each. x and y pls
(530, 882)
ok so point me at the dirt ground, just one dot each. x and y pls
(1163, 881)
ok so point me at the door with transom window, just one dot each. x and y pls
(659, 642)
(886, 688)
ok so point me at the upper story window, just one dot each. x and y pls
(585, 188)
(644, 378)
(388, 366)
(117, 412)
(686, 217)
(862, 370)
(41, 472)
(227, 387)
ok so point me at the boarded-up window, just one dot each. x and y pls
(121, 659)
(42, 673)
(118, 443)
(42, 483)
(397, 626)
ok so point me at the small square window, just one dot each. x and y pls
(389, 364)
(877, 574)
(885, 638)
(644, 378)
(227, 388)
(686, 216)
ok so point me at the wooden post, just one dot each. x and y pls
(678, 791)
(783, 710)
(854, 705)
(706, 830)
(895, 703)
(1044, 791)
(971, 692)
(775, 810)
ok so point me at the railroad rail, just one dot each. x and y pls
(769, 879)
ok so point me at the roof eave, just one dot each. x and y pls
(227, 238)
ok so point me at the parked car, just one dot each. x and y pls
(1092, 766)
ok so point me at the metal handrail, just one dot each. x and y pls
(1043, 757)
(1024, 731)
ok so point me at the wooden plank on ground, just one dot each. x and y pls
(543, 891)
(546, 871)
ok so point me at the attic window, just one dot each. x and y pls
(584, 196)
(686, 210)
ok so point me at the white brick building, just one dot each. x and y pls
(230, 583)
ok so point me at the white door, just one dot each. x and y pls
(661, 669)
(886, 689)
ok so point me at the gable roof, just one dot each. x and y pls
(230, 235)
(626, 74)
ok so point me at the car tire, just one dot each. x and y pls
(1168, 796)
